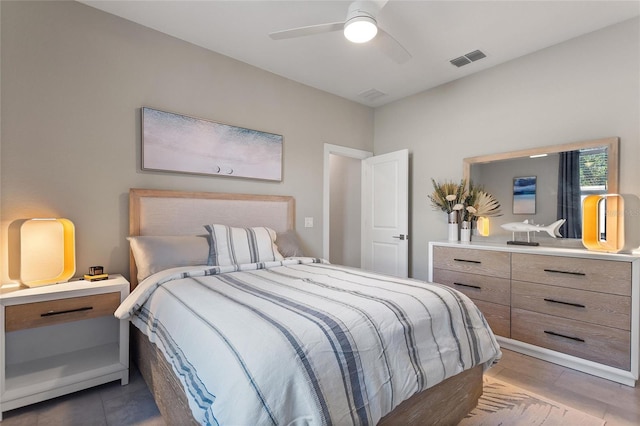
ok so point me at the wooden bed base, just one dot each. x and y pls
(161, 380)
(447, 403)
(444, 404)
(160, 212)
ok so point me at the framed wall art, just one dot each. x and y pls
(524, 195)
(179, 143)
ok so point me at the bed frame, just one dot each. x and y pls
(161, 212)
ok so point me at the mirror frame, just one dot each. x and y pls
(612, 144)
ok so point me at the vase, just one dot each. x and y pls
(465, 231)
(453, 226)
(474, 228)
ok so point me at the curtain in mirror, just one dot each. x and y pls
(569, 200)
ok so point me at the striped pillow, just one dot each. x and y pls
(236, 246)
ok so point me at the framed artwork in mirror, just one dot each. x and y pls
(524, 195)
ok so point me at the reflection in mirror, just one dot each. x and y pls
(565, 174)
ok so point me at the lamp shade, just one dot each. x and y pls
(360, 29)
(41, 251)
(610, 222)
(482, 225)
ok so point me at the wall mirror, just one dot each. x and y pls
(560, 176)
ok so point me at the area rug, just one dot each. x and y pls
(504, 404)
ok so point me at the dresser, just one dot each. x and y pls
(569, 306)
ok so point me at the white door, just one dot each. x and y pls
(385, 213)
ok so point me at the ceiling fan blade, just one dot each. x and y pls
(390, 47)
(307, 31)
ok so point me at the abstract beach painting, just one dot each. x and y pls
(179, 143)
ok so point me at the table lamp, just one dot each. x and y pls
(41, 251)
(610, 222)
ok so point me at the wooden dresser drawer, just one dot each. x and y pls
(498, 317)
(482, 262)
(39, 314)
(610, 310)
(477, 287)
(606, 345)
(587, 274)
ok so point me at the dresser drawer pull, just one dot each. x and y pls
(467, 261)
(52, 313)
(565, 272)
(578, 305)
(553, 333)
(468, 285)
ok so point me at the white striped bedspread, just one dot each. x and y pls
(304, 342)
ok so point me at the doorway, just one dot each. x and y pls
(342, 204)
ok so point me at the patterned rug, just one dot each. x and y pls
(504, 404)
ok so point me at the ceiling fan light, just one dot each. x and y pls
(360, 29)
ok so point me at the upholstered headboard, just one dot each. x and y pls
(165, 212)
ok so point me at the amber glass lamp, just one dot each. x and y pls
(482, 225)
(41, 251)
(608, 222)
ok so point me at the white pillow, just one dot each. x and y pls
(237, 246)
(156, 253)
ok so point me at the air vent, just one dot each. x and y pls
(475, 55)
(468, 58)
(372, 94)
(461, 61)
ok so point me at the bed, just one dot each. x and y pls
(283, 338)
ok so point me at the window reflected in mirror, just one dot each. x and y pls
(593, 181)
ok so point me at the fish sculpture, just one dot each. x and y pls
(553, 229)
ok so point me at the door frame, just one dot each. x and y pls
(326, 190)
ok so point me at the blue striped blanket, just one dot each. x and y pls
(301, 341)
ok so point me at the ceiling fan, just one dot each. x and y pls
(360, 26)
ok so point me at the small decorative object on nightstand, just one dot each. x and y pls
(96, 273)
(61, 339)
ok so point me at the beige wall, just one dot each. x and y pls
(73, 81)
(583, 89)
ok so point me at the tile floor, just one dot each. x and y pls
(116, 405)
(110, 404)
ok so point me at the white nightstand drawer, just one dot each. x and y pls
(39, 314)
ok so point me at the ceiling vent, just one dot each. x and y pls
(372, 94)
(468, 58)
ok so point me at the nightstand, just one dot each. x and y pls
(61, 338)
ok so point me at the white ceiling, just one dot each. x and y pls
(434, 32)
